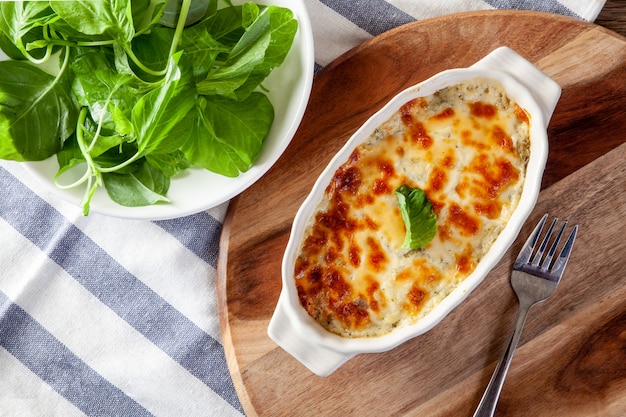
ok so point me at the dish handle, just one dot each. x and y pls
(544, 89)
(287, 332)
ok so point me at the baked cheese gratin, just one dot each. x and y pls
(467, 147)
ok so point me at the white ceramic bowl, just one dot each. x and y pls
(198, 189)
(323, 352)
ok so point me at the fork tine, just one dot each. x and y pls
(544, 244)
(561, 261)
(529, 245)
(548, 259)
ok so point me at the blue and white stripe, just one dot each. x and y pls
(102, 316)
(126, 304)
(339, 25)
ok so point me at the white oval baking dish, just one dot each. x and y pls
(323, 352)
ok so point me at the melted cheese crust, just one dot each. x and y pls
(467, 147)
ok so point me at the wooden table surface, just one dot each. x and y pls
(613, 16)
(572, 357)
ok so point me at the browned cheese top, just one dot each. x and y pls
(467, 147)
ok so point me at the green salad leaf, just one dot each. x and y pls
(163, 117)
(143, 186)
(20, 17)
(133, 102)
(111, 18)
(419, 218)
(238, 135)
(37, 112)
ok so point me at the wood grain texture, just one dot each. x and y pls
(613, 16)
(572, 356)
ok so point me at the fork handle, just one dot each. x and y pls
(487, 405)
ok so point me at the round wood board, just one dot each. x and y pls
(444, 372)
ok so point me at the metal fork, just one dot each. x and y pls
(534, 278)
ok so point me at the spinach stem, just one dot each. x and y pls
(64, 42)
(86, 149)
(129, 51)
(178, 34)
(180, 26)
(96, 43)
(92, 169)
(100, 121)
(122, 165)
(22, 48)
(80, 139)
(76, 183)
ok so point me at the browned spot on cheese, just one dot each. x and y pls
(346, 179)
(376, 257)
(354, 255)
(448, 161)
(466, 223)
(468, 140)
(501, 139)
(387, 171)
(437, 179)
(489, 209)
(419, 136)
(406, 112)
(416, 297)
(445, 114)
(364, 199)
(465, 262)
(494, 175)
(521, 114)
(380, 187)
(352, 315)
(371, 223)
(484, 110)
(416, 132)
(444, 232)
(405, 275)
(372, 289)
(386, 168)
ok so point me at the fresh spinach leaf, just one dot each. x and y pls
(113, 18)
(169, 163)
(225, 25)
(120, 158)
(419, 218)
(98, 86)
(69, 157)
(108, 151)
(228, 134)
(123, 125)
(142, 187)
(283, 27)
(163, 119)
(37, 112)
(262, 47)
(196, 43)
(141, 12)
(17, 18)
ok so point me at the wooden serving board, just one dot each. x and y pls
(572, 356)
